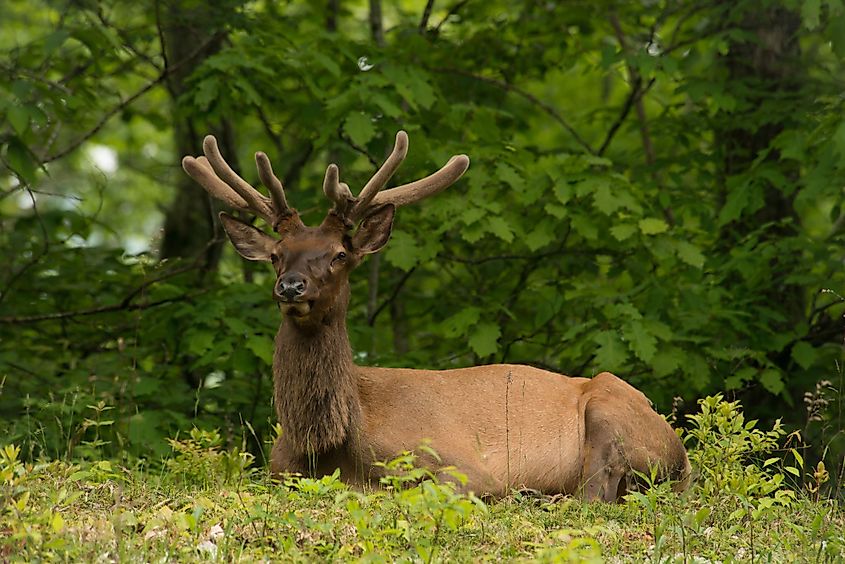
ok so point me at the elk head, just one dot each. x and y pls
(313, 263)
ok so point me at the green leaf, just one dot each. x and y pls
(690, 254)
(738, 199)
(472, 214)
(770, 461)
(798, 458)
(697, 371)
(563, 192)
(326, 62)
(612, 352)
(804, 354)
(701, 515)
(387, 105)
(604, 200)
(359, 128)
(459, 323)
(57, 523)
(243, 360)
(262, 347)
(810, 10)
(836, 34)
(507, 174)
(772, 381)
(484, 339)
(623, 231)
(653, 226)
(205, 93)
(55, 40)
(500, 228)
(556, 211)
(542, 235)
(403, 251)
(585, 227)
(641, 341)
(199, 341)
(838, 139)
(739, 377)
(237, 326)
(20, 160)
(412, 84)
(667, 360)
(19, 118)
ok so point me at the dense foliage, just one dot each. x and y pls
(211, 504)
(656, 189)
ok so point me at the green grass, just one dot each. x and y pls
(206, 503)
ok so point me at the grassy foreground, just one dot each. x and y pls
(206, 504)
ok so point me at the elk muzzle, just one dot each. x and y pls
(290, 288)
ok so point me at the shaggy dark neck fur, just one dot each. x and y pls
(315, 382)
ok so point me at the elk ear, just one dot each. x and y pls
(250, 242)
(374, 231)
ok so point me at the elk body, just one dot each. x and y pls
(504, 426)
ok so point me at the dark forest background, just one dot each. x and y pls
(657, 189)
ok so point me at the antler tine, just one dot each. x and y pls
(273, 184)
(257, 203)
(200, 170)
(383, 175)
(424, 187)
(338, 192)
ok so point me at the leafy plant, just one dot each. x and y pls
(199, 458)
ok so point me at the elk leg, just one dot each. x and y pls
(282, 460)
(604, 470)
(602, 478)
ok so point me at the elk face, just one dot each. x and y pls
(312, 264)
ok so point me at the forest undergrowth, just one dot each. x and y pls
(752, 499)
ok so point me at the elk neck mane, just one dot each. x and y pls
(316, 386)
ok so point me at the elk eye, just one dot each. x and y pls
(340, 256)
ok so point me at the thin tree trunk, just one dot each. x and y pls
(772, 60)
(376, 23)
(377, 33)
(333, 9)
(770, 65)
(190, 226)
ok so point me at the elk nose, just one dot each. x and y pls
(290, 287)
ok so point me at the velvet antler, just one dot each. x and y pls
(214, 174)
(372, 197)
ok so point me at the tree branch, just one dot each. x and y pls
(124, 305)
(452, 11)
(36, 258)
(119, 107)
(98, 11)
(358, 149)
(20, 320)
(332, 11)
(637, 90)
(396, 289)
(426, 15)
(162, 44)
(528, 96)
(635, 78)
(376, 24)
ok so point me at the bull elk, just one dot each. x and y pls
(504, 426)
